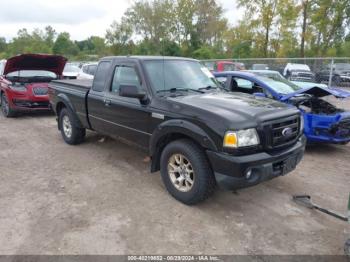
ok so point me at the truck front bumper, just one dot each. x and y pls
(234, 172)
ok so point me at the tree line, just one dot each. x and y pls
(199, 29)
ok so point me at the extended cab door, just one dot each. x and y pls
(128, 117)
(96, 98)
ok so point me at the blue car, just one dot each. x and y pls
(324, 122)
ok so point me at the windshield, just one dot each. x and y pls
(71, 68)
(168, 75)
(32, 73)
(279, 84)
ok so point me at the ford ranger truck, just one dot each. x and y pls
(196, 134)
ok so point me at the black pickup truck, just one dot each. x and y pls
(196, 134)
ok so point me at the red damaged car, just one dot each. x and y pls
(24, 82)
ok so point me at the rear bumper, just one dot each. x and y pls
(230, 171)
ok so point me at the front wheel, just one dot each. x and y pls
(186, 172)
(5, 106)
(71, 133)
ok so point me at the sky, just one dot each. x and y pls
(81, 18)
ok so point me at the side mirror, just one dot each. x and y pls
(259, 94)
(131, 91)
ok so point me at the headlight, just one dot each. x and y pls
(302, 124)
(18, 88)
(241, 138)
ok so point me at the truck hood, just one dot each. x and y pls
(318, 92)
(52, 63)
(236, 110)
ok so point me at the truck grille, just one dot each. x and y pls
(282, 132)
(40, 91)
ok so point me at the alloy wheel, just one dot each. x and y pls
(181, 172)
(67, 126)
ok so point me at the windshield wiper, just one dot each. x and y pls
(208, 87)
(175, 89)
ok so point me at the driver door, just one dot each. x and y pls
(129, 118)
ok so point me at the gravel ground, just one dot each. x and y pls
(99, 198)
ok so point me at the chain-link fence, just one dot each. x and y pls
(333, 72)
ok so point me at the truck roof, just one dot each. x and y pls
(148, 58)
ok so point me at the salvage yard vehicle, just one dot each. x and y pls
(196, 134)
(276, 75)
(324, 122)
(87, 71)
(260, 67)
(24, 82)
(219, 66)
(340, 73)
(298, 72)
(71, 71)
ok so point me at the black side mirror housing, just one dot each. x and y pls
(131, 91)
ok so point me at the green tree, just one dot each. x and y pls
(3, 45)
(285, 42)
(153, 20)
(65, 46)
(329, 21)
(261, 15)
(118, 37)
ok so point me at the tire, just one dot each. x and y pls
(197, 170)
(70, 130)
(5, 107)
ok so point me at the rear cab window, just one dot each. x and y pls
(101, 76)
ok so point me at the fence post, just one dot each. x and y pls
(331, 74)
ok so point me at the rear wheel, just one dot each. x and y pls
(186, 172)
(5, 106)
(70, 130)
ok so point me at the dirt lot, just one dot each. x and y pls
(99, 198)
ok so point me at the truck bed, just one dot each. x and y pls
(78, 84)
(75, 91)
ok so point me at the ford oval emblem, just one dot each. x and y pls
(287, 132)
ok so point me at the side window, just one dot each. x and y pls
(101, 75)
(85, 69)
(92, 70)
(222, 80)
(243, 83)
(124, 75)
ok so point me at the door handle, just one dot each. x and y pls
(107, 102)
